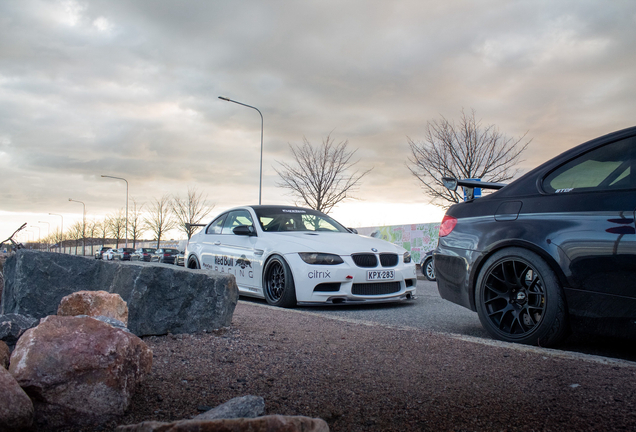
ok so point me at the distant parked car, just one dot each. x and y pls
(100, 252)
(108, 255)
(427, 265)
(164, 255)
(142, 254)
(123, 254)
(179, 259)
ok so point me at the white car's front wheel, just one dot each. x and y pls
(193, 263)
(278, 283)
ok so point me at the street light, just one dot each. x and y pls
(120, 178)
(39, 234)
(48, 234)
(27, 232)
(260, 183)
(61, 229)
(83, 227)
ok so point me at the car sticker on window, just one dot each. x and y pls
(564, 190)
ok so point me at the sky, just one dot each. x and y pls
(130, 89)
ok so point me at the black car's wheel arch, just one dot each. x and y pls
(496, 247)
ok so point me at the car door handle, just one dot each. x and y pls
(216, 243)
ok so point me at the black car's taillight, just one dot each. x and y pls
(447, 225)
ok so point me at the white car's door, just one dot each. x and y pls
(238, 252)
(210, 244)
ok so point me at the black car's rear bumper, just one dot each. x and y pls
(453, 270)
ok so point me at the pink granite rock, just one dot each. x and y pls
(94, 303)
(5, 354)
(78, 370)
(16, 409)
(270, 423)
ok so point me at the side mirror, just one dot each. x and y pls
(244, 230)
(450, 183)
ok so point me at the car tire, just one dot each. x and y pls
(193, 263)
(278, 283)
(428, 269)
(519, 299)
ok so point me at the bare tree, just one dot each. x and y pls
(464, 150)
(103, 231)
(319, 178)
(136, 225)
(93, 229)
(76, 232)
(117, 226)
(57, 237)
(159, 219)
(190, 210)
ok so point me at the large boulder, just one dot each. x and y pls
(161, 298)
(94, 303)
(79, 370)
(243, 406)
(12, 326)
(16, 409)
(5, 354)
(270, 423)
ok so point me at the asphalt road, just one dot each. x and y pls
(430, 312)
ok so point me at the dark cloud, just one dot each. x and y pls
(129, 88)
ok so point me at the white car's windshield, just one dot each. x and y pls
(281, 219)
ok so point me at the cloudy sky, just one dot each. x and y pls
(130, 89)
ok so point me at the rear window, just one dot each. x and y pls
(605, 168)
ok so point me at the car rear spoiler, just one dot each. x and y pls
(188, 225)
(469, 185)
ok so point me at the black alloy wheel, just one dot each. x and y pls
(519, 299)
(278, 283)
(429, 269)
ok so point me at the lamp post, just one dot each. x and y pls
(39, 234)
(260, 183)
(61, 229)
(120, 178)
(83, 227)
(27, 232)
(48, 234)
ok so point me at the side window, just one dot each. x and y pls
(605, 168)
(236, 218)
(216, 226)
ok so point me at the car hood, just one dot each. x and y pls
(338, 243)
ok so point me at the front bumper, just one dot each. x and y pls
(347, 283)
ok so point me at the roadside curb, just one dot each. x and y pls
(566, 355)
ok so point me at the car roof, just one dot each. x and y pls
(527, 184)
(268, 207)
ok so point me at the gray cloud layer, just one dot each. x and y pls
(129, 89)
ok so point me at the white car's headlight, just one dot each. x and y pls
(407, 257)
(320, 258)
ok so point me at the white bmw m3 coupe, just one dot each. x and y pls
(293, 255)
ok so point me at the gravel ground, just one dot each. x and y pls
(373, 378)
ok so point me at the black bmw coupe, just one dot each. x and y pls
(558, 243)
